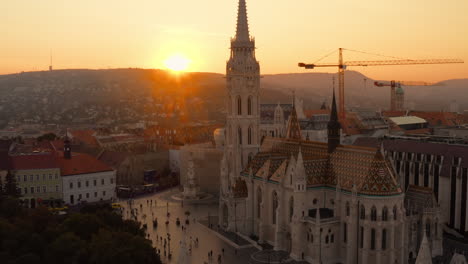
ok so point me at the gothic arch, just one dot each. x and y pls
(385, 214)
(239, 135)
(250, 157)
(291, 208)
(225, 215)
(362, 212)
(373, 213)
(249, 105)
(428, 228)
(239, 105)
(249, 135)
(259, 202)
(274, 206)
(395, 213)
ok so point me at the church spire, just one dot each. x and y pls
(294, 128)
(334, 127)
(242, 31)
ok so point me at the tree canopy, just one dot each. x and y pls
(96, 234)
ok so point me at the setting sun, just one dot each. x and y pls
(177, 63)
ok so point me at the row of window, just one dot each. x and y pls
(80, 196)
(37, 189)
(239, 106)
(421, 157)
(373, 214)
(372, 239)
(329, 238)
(37, 177)
(94, 183)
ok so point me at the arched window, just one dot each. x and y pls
(385, 214)
(239, 135)
(348, 210)
(250, 157)
(372, 240)
(249, 106)
(428, 228)
(345, 233)
(249, 136)
(373, 214)
(274, 207)
(384, 239)
(436, 225)
(239, 105)
(394, 213)
(291, 208)
(259, 201)
(363, 212)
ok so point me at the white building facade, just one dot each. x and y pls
(321, 202)
(89, 187)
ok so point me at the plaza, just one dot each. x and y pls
(157, 206)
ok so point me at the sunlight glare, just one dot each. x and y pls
(177, 63)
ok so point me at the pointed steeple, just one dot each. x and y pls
(424, 254)
(334, 127)
(334, 112)
(242, 30)
(293, 129)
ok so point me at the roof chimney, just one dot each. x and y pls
(66, 149)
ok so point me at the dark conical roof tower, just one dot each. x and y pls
(334, 127)
(294, 128)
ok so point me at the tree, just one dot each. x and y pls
(48, 137)
(1, 187)
(11, 187)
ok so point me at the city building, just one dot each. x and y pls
(84, 178)
(320, 202)
(38, 177)
(432, 163)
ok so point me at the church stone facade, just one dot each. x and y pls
(321, 202)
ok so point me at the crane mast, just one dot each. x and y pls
(342, 67)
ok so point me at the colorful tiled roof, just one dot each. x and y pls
(348, 166)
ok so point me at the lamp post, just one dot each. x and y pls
(320, 246)
(235, 219)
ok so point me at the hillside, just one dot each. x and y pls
(126, 95)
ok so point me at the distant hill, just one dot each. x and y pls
(71, 95)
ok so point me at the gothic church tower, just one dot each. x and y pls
(242, 120)
(243, 85)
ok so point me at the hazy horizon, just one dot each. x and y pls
(120, 34)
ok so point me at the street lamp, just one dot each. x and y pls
(320, 246)
(235, 219)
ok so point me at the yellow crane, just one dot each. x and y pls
(343, 65)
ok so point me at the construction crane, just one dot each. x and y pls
(397, 93)
(343, 65)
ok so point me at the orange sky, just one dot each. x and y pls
(144, 33)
